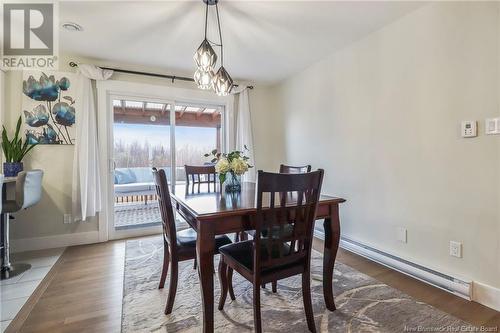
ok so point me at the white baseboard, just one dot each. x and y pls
(486, 295)
(49, 242)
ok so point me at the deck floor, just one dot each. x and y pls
(134, 214)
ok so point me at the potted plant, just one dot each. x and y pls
(230, 167)
(14, 151)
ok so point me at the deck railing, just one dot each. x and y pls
(136, 198)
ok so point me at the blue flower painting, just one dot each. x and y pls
(49, 108)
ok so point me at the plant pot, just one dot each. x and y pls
(233, 182)
(11, 169)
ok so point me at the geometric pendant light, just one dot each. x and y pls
(206, 58)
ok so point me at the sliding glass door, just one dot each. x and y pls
(198, 130)
(149, 133)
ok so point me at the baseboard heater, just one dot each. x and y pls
(446, 282)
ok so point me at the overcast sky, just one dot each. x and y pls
(157, 134)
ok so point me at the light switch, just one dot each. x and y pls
(492, 126)
(469, 128)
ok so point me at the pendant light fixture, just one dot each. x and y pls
(206, 58)
(204, 78)
(222, 82)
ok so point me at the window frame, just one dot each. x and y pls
(114, 89)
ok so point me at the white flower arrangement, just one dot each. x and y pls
(235, 163)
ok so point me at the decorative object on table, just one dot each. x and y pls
(49, 107)
(230, 167)
(231, 200)
(206, 59)
(14, 151)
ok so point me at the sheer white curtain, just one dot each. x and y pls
(86, 194)
(244, 136)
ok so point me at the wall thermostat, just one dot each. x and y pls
(469, 128)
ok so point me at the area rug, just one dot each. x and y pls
(363, 303)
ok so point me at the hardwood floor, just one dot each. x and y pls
(85, 292)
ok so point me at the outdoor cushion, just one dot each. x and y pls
(124, 176)
(133, 187)
(142, 175)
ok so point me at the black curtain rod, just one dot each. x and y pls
(164, 76)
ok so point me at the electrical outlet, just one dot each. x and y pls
(455, 249)
(68, 218)
(402, 235)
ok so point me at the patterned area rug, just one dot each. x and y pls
(363, 303)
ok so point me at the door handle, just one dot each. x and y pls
(112, 165)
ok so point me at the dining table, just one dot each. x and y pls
(219, 212)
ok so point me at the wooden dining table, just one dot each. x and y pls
(217, 213)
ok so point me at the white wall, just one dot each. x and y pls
(43, 223)
(268, 131)
(382, 116)
(46, 218)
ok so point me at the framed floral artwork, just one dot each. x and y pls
(49, 107)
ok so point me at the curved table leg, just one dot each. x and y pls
(332, 239)
(205, 257)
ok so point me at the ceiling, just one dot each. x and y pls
(265, 41)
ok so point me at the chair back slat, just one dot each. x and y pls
(196, 175)
(294, 169)
(166, 210)
(286, 211)
(289, 169)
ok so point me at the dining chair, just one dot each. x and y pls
(289, 169)
(294, 169)
(177, 245)
(199, 175)
(283, 200)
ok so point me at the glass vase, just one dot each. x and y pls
(233, 182)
